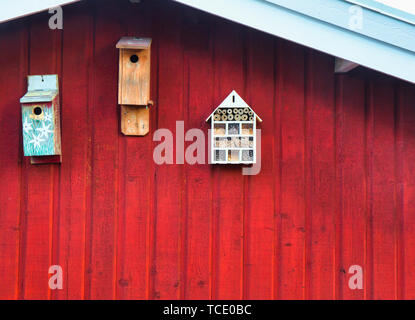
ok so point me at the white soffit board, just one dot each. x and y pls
(399, 9)
(13, 9)
(280, 18)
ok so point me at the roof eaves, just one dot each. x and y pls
(278, 19)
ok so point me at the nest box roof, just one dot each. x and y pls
(42, 88)
(134, 43)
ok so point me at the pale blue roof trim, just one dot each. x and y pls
(374, 24)
(385, 9)
(323, 25)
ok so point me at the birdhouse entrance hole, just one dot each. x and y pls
(134, 58)
(37, 111)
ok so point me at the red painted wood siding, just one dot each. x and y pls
(337, 186)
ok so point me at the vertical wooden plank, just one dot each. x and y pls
(13, 59)
(198, 52)
(229, 181)
(383, 191)
(291, 232)
(406, 165)
(76, 149)
(42, 186)
(320, 154)
(351, 186)
(259, 197)
(102, 225)
(136, 164)
(169, 178)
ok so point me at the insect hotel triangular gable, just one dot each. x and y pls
(233, 139)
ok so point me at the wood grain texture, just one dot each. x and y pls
(290, 187)
(198, 76)
(228, 182)
(76, 169)
(336, 186)
(320, 178)
(134, 77)
(167, 281)
(12, 200)
(259, 229)
(135, 121)
(42, 202)
(134, 244)
(350, 184)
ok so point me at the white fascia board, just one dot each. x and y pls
(313, 33)
(344, 14)
(10, 10)
(389, 10)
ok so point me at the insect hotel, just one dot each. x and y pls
(233, 138)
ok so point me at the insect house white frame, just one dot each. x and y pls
(233, 132)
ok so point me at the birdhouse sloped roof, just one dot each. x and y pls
(234, 100)
(42, 88)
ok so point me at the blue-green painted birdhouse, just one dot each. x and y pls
(41, 117)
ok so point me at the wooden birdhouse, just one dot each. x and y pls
(233, 138)
(41, 117)
(134, 85)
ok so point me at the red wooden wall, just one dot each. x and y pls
(337, 186)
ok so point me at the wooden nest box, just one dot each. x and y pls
(134, 85)
(41, 120)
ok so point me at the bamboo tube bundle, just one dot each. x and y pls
(251, 113)
(230, 117)
(251, 118)
(229, 111)
(220, 111)
(238, 117)
(244, 117)
(246, 110)
(235, 111)
(224, 117)
(217, 117)
(241, 111)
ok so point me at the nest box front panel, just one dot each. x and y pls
(39, 130)
(134, 82)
